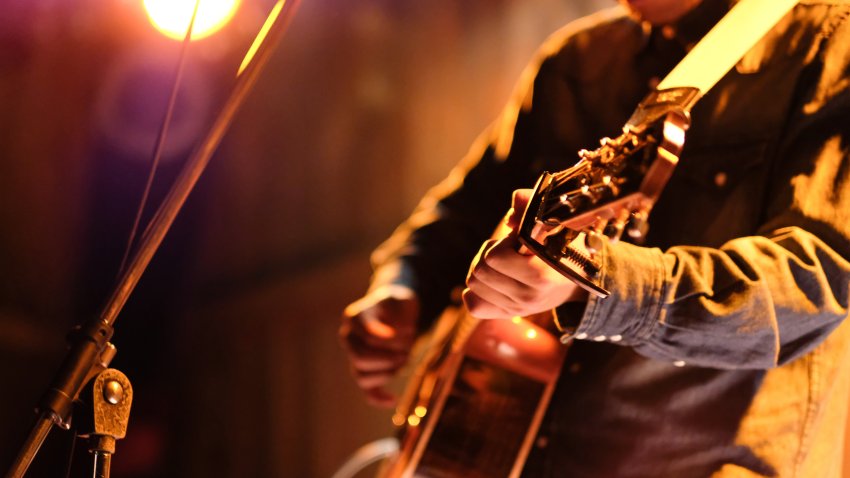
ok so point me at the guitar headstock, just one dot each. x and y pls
(609, 191)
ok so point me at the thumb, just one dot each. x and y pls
(519, 202)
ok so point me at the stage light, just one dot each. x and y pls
(171, 17)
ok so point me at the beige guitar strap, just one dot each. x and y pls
(722, 47)
(668, 105)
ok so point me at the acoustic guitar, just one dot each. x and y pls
(474, 406)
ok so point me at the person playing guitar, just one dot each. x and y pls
(722, 349)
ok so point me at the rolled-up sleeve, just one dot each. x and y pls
(755, 302)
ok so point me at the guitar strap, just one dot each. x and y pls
(669, 105)
(722, 47)
(707, 62)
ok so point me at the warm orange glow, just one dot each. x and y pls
(413, 420)
(420, 411)
(674, 133)
(398, 420)
(172, 17)
(516, 320)
(531, 333)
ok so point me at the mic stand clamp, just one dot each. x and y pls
(89, 354)
(103, 415)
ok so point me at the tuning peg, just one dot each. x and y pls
(611, 188)
(564, 200)
(615, 227)
(639, 226)
(588, 193)
(593, 242)
(594, 236)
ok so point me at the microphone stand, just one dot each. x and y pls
(90, 351)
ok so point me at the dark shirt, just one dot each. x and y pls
(723, 349)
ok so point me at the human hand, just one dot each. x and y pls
(503, 282)
(377, 332)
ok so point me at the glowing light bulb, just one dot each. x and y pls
(172, 17)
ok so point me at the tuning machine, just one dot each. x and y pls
(553, 241)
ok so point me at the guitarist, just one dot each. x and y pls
(723, 350)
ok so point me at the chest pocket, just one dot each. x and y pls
(715, 194)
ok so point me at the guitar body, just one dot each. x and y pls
(474, 406)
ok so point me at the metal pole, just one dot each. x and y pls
(56, 407)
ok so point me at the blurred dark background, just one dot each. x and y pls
(230, 338)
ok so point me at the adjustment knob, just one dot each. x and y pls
(593, 242)
(639, 225)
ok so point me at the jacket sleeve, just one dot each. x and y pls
(431, 251)
(754, 302)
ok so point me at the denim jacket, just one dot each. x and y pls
(722, 350)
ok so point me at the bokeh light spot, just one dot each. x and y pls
(172, 17)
